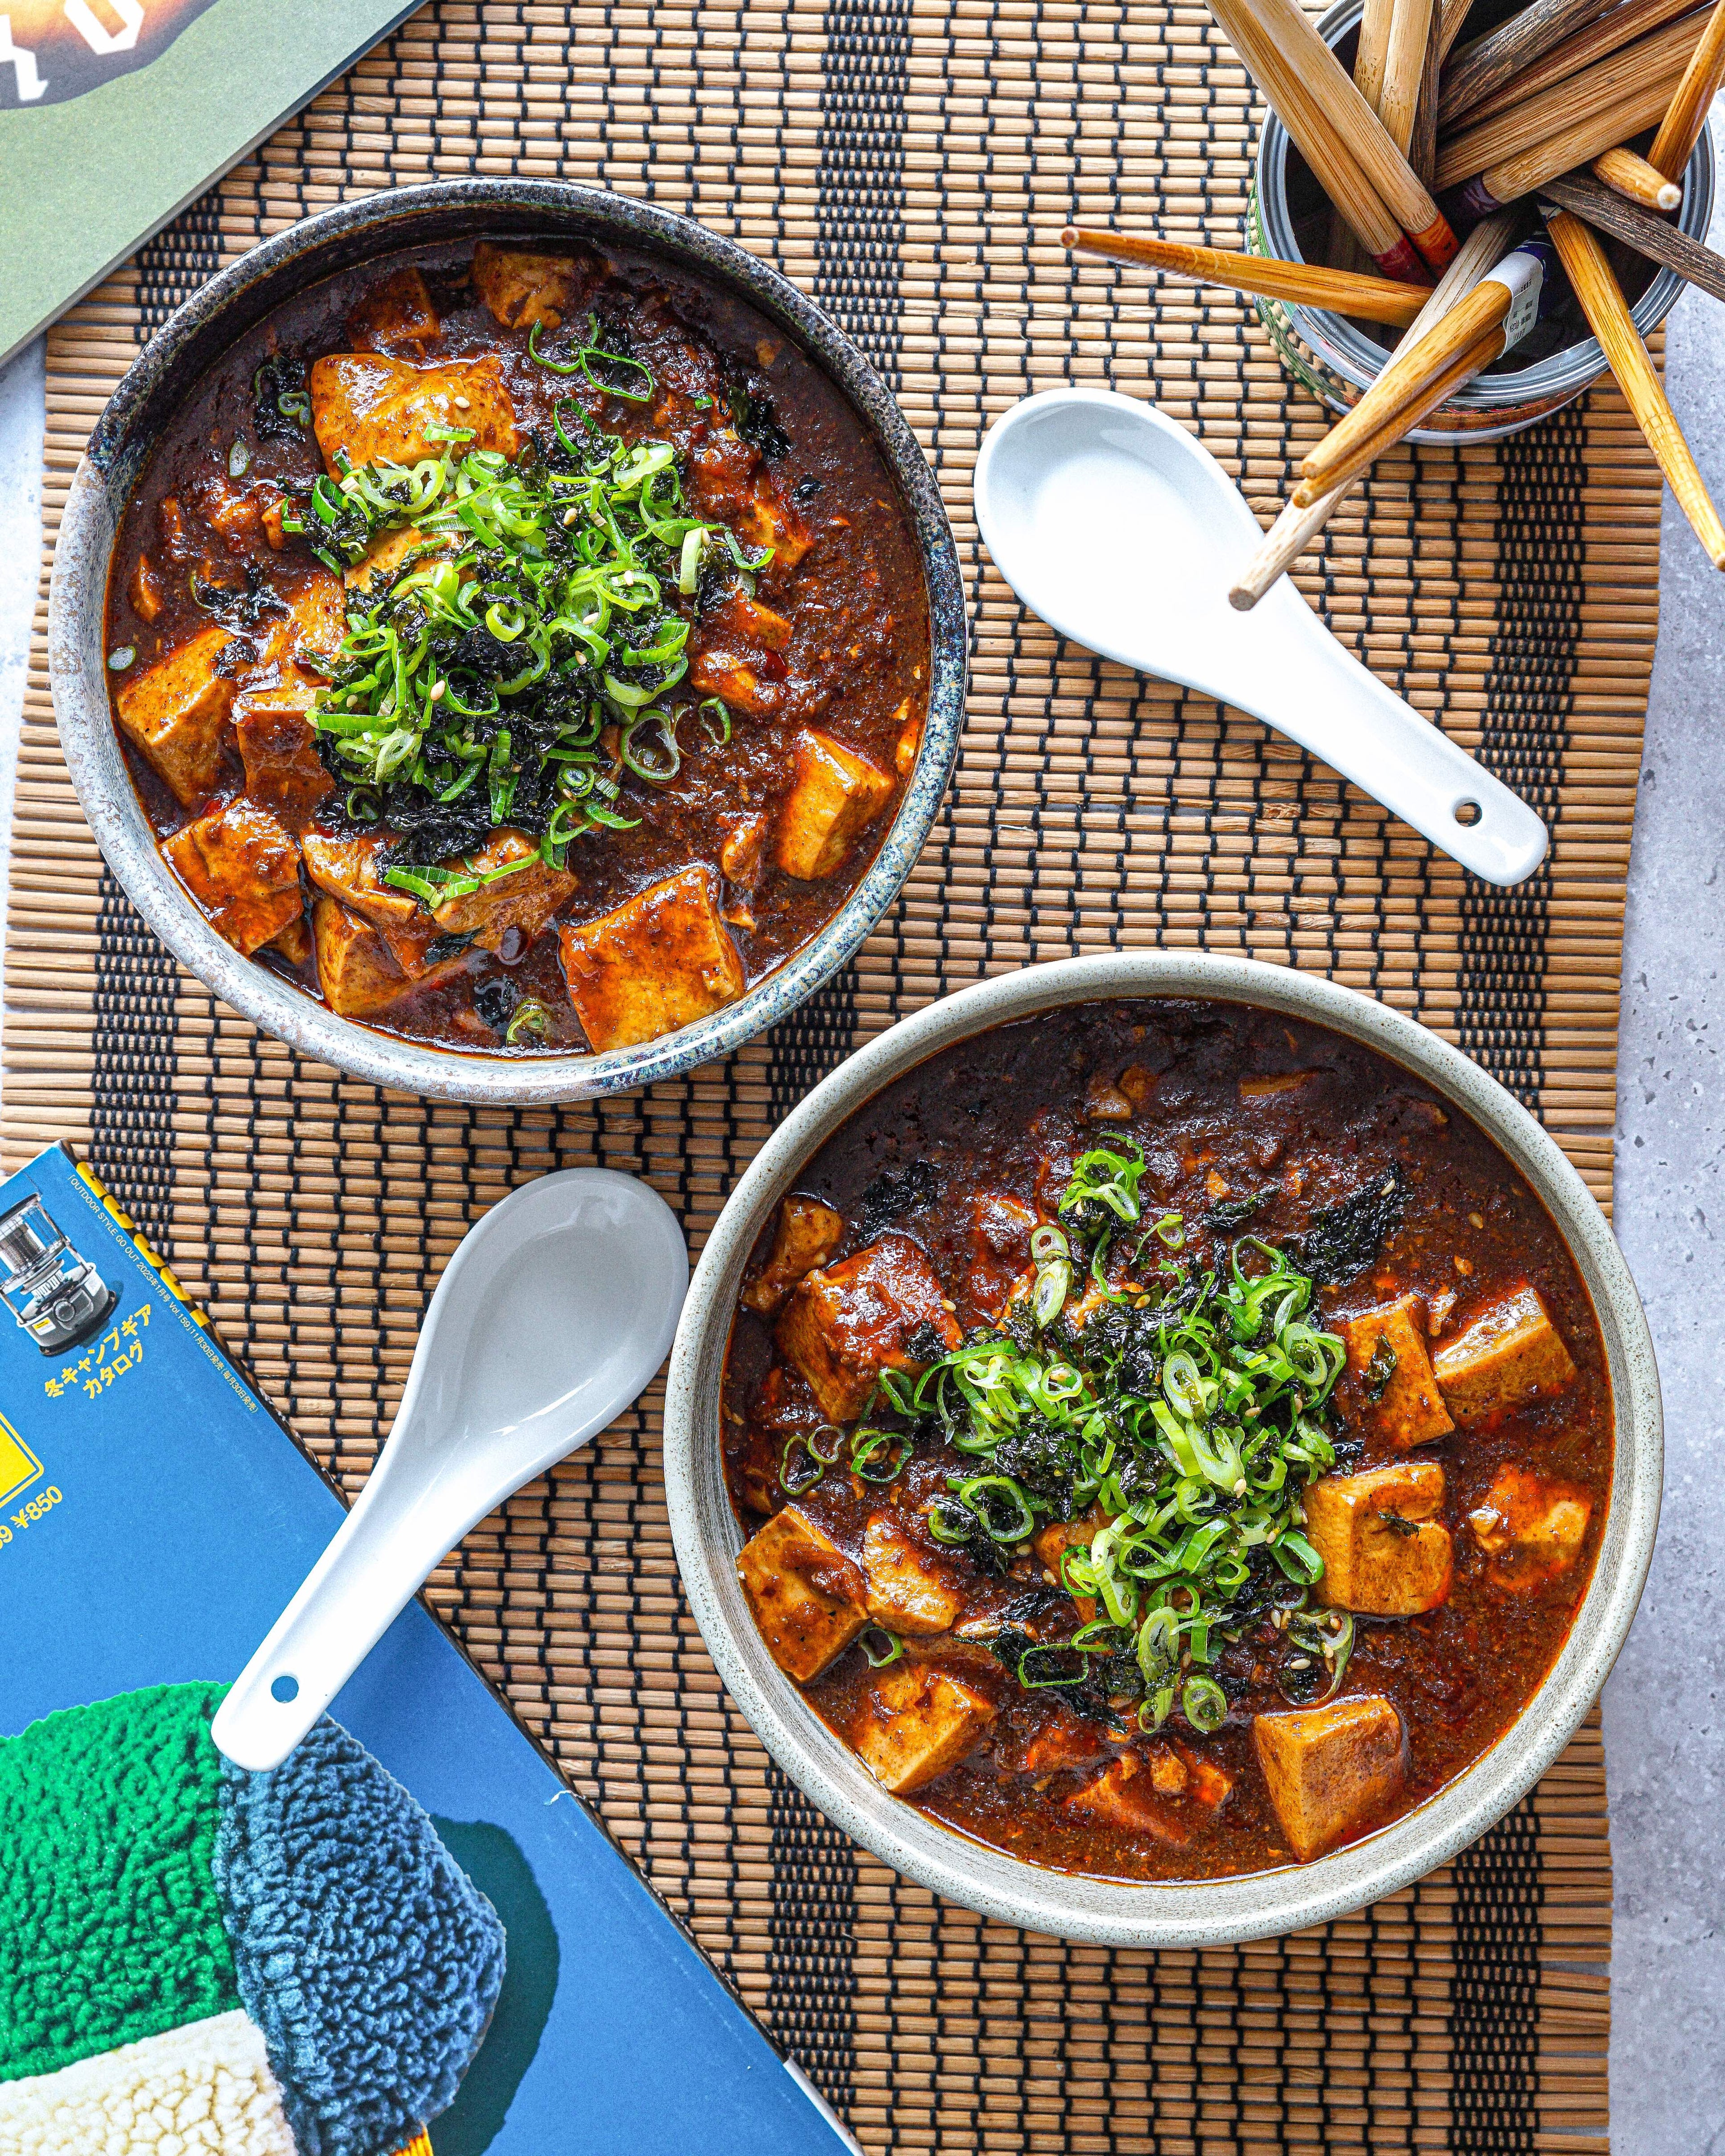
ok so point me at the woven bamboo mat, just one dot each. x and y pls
(911, 162)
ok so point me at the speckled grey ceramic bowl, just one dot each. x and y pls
(195, 336)
(1216, 1912)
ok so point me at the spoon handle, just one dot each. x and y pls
(381, 1556)
(1308, 687)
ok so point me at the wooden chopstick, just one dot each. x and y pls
(1679, 131)
(1576, 143)
(1417, 363)
(1403, 69)
(1481, 66)
(1620, 27)
(1310, 62)
(1422, 141)
(1607, 314)
(1663, 53)
(1331, 162)
(1306, 285)
(1637, 228)
(1637, 181)
(1406, 417)
(1449, 20)
(1295, 528)
(1373, 50)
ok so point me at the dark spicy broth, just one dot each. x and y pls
(911, 1572)
(521, 647)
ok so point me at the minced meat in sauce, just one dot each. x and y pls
(1173, 1440)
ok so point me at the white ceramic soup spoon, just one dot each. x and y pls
(1124, 533)
(549, 1319)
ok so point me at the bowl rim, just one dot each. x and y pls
(1205, 1913)
(193, 337)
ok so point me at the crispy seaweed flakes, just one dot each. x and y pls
(1347, 1237)
(894, 1192)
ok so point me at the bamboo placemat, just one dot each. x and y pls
(910, 165)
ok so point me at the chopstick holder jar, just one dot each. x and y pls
(1337, 358)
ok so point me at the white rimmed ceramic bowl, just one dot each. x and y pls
(192, 339)
(1209, 1913)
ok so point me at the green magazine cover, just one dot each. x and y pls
(115, 113)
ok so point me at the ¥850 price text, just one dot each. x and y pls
(27, 1515)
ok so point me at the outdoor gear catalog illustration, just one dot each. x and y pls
(410, 1936)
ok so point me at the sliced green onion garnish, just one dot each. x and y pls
(530, 1020)
(880, 1658)
(1205, 1704)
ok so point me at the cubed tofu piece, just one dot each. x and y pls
(1126, 1797)
(1510, 1355)
(294, 943)
(1207, 1784)
(1330, 1769)
(524, 895)
(915, 1723)
(737, 677)
(834, 794)
(278, 745)
(1064, 1743)
(771, 630)
(145, 590)
(910, 1590)
(175, 711)
(350, 866)
(378, 409)
(804, 1623)
(766, 519)
(805, 1235)
(1051, 1544)
(880, 1310)
(243, 869)
(743, 857)
(997, 1246)
(909, 745)
(522, 288)
(661, 961)
(390, 552)
(234, 512)
(746, 624)
(399, 310)
(314, 625)
(1384, 1553)
(1531, 1526)
(1390, 1385)
(356, 971)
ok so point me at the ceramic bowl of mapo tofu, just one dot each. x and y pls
(507, 641)
(1162, 1449)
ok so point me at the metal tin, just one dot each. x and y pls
(1335, 360)
(192, 339)
(1211, 1912)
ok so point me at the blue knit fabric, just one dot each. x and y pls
(364, 1952)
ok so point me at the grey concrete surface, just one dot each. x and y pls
(1664, 1726)
(1665, 1730)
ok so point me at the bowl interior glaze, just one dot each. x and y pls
(1211, 1912)
(192, 340)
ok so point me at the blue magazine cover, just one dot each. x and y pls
(412, 1935)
